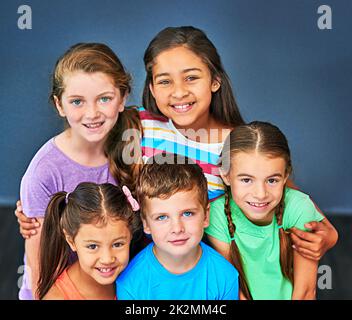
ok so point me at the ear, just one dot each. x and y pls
(216, 84)
(151, 88)
(207, 216)
(225, 177)
(70, 241)
(122, 104)
(146, 226)
(59, 107)
(286, 178)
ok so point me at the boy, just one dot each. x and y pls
(177, 265)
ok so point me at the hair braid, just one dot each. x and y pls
(235, 255)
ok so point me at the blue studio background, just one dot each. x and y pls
(283, 68)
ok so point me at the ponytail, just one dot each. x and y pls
(286, 254)
(123, 148)
(54, 250)
(235, 256)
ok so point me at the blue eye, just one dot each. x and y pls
(76, 102)
(92, 246)
(164, 82)
(105, 99)
(191, 78)
(188, 214)
(161, 218)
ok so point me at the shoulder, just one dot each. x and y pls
(54, 294)
(146, 115)
(137, 266)
(299, 209)
(220, 263)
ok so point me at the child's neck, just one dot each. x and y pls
(178, 264)
(82, 152)
(206, 130)
(88, 287)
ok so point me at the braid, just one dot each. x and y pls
(235, 255)
(286, 254)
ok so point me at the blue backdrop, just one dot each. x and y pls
(284, 69)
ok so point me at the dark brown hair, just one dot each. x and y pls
(89, 203)
(166, 174)
(98, 57)
(267, 139)
(223, 105)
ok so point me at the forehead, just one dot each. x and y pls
(108, 231)
(84, 81)
(179, 58)
(257, 164)
(177, 202)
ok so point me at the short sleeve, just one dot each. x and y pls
(218, 227)
(37, 187)
(299, 210)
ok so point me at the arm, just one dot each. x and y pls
(32, 247)
(313, 245)
(28, 226)
(305, 278)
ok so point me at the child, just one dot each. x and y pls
(175, 210)
(248, 226)
(95, 221)
(89, 90)
(191, 110)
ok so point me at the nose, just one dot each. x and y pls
(177, 226)
(179, 91)
(92, 110)
(107, 257)
(259, 191)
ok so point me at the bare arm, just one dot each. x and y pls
(32, 246)
(305, 277)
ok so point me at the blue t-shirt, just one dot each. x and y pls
(213, 278)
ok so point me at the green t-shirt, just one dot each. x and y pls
(259, 246)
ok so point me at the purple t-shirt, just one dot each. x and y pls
(51, 171)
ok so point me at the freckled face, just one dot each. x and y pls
(91, 104)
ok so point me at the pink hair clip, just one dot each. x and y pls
(134, 204)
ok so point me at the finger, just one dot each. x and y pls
(27, 225)
(27, 232)
(304, 235)
(313, 225)
(307, 254)
(303, 244)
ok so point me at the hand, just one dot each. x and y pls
(27, 225)
(313, 245)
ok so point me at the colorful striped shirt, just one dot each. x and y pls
(160, 135)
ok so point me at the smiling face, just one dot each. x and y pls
(182, 87)
(91, 104)
(257, 183)
(103, 251)
(176, 224)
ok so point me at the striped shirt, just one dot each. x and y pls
(160, 135)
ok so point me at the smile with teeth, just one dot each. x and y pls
(93, 125)
(182, 106)
(258, 205)
(105, 270)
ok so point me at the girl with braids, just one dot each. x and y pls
(89, 90)
(97, 222)
(250, 224)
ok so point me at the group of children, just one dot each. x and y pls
(188, 163)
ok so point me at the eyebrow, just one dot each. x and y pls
(183, 71)
(100, 94)
(96, 241)
(279, 175)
